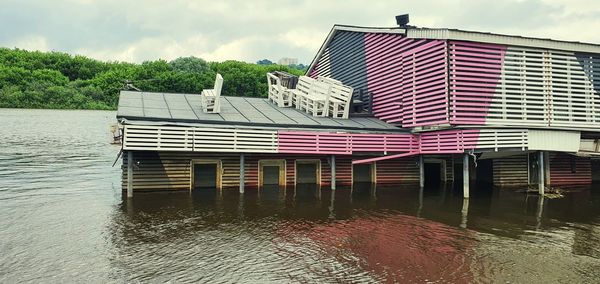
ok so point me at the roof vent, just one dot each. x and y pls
(402, 20)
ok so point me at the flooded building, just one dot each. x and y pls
(426, 105)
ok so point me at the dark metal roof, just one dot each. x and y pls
(243, 111)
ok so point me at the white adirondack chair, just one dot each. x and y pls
(278, 94)
(316, 102)
(303, 89)
(210, 98)
(339, 101)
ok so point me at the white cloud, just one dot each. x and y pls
(251, 30)
(304, 38)
(236, 49)
(31, 42)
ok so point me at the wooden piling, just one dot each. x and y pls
(421, 171)
(129, 174)
(541, 172)
(464, 213)
(242, 173)
(466, 175)
(333, 172)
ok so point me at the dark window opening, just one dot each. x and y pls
(307, 173)
(362, 173)
(458, 172)
(595, 171)
(484, 172)
(362, 180)
(205, 176)
(433, 174)
(270, 175)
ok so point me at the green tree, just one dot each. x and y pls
(264, 62)
(190, 64)
(33, 79)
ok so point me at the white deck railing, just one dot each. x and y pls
(198, 139)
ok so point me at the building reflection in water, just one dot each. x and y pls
(464, 213)
(540, 212)
(398, 233)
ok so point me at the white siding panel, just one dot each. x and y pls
(199, 139)
(549, 140)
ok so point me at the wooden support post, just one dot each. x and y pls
(242, 173)
(129, 174)
(421, 171)
(466, 175)
(540, 212)
(332, 172)
(420, 208)
(541, 171)
(464, 214)
(332, 205)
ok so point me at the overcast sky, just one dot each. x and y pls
(135, 31)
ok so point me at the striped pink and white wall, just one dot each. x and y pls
(403, 144)
(383, 56)
(406, 77)
(494, 84)
(422, 82)
(344, 143)
(448, 141)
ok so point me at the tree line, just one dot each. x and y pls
(34, 79)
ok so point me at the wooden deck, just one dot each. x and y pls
(239, 111)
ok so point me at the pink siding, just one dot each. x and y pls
(425, 88)
(408, 79)
(438, 142)
(343, 143)
(448, 141)
(475, 70)
(383, 56)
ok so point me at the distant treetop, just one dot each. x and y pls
(189, 64)
(264, 62)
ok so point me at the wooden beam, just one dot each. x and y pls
(365, 161)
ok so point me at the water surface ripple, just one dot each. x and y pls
(64, 220)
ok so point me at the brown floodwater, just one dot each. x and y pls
(63, 219)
